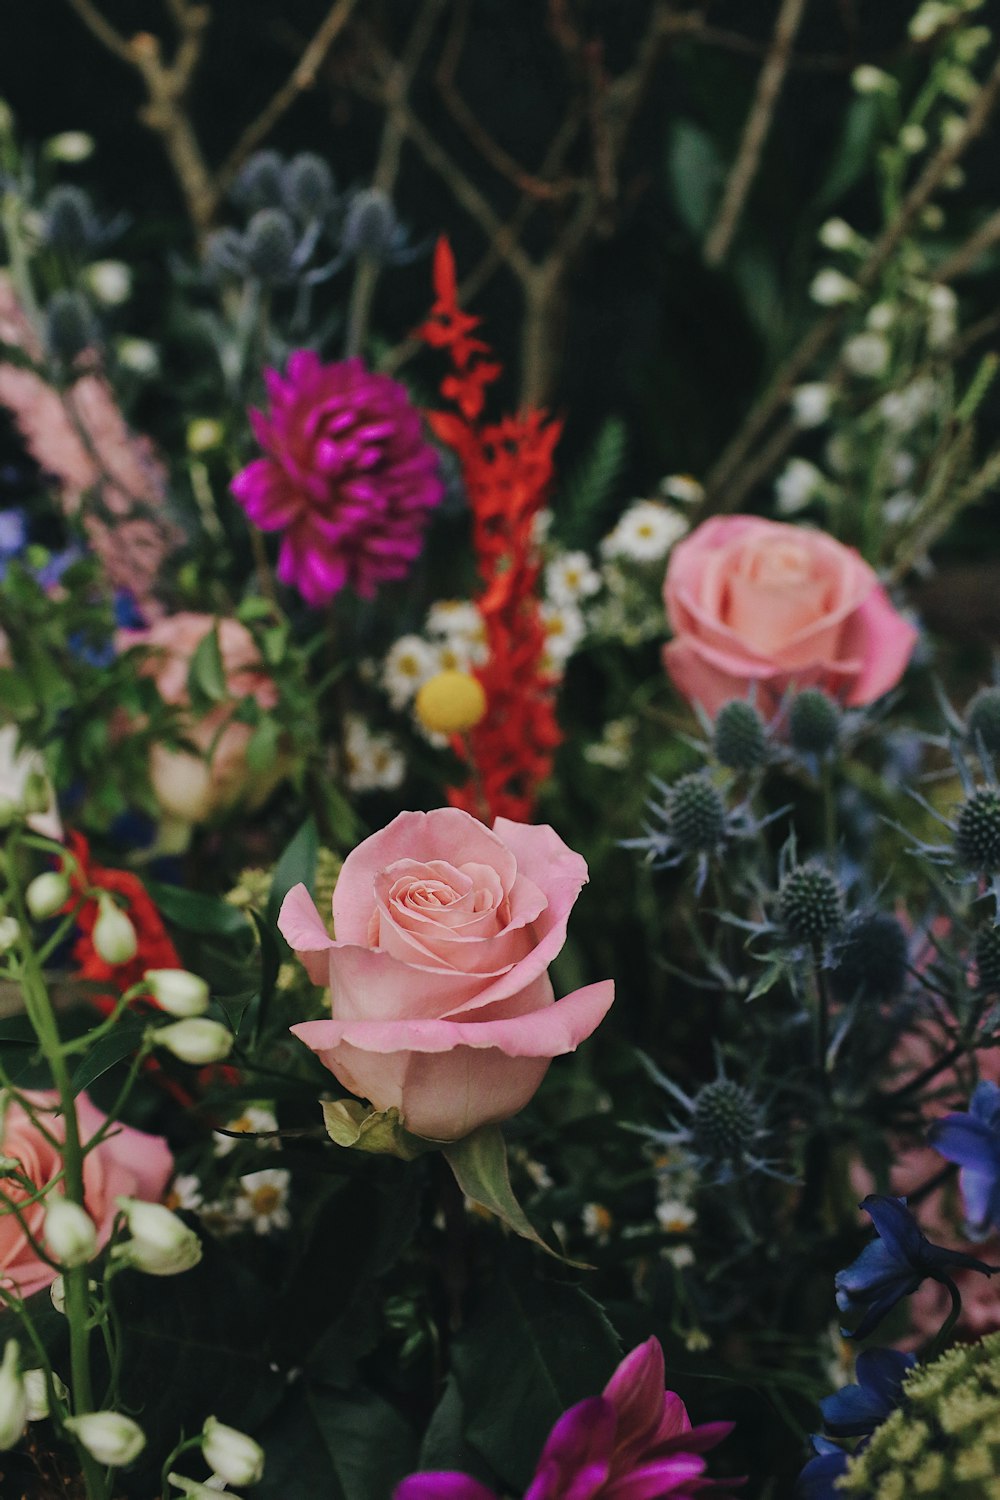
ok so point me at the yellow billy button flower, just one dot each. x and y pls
(450, 703)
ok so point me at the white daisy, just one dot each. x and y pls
(185, 1192)
(571, 577)
(406, 668)
(683, 488)
(597, 1222)
(679, 1256)
(674, 1215)
(645, 533)
(263, 1200)
(255, 1118)
(454, 617)
(565, 628)
(372, 762)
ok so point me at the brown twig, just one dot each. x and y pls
(302, 77)
(964, 258)
(726, 484)
(758, 124)
(102, 28)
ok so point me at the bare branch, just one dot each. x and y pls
(964, 258)
(747, 159)
(102, 28)
(301, 78)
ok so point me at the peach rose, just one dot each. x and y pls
(193, 788)
(759, 603)
(127, 1162)
(442, 1003)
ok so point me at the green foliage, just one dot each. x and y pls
(586, 496)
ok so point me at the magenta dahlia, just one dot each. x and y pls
(349, 477)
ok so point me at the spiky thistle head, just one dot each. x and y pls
(814, 723)
(982, 720)
(977, 831)
(809, 903)
(738, 736)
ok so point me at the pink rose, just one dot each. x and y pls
(759, 603)
(442, 1003)
(127, 1163)
(193, 788)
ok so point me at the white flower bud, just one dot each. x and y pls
(811, 404)
(204, 434)
(47, 894)
(867, 354)
(138, 355)
(837, 234)
(13, 1397)
(37, 1387)
(830, 287)
(197, 1041)
(110, 282)
(114, 1440)
(232, 1455)
(913, 139)
(178, 991)
(70, 146)
(114, 936)
(867, 79)
(57, 1291)
(161, 1243)
(69, 1232)
(192, 1488)
(9, 931)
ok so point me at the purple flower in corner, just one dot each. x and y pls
(894, 1265)
(973, 1140)
(348, 477)
(634, 1442)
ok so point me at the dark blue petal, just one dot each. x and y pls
(985, 1104)
(819, 1477)
(875, 1267)
(883, 1304)
(981, 1195)
(852, 1412)
(895, 1224)
(883, 1371)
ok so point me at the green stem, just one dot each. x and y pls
(42, 1016)
(362, 293)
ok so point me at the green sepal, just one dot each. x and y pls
(380, 1131)
(479, 1162)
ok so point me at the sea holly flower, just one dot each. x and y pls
(972, 1139)
(348, 477)
(633, 1442)
(892, 1266)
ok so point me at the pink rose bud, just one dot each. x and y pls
(442, 1004)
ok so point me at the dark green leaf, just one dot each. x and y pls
(194, 911)
(695, 173)
(111, 1049)
(371, 1447)
(206, 674)
(854, 151)
(296, 865)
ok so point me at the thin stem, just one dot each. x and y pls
(822, 1018)
(943, 1334)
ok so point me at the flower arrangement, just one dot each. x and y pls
(499, 945)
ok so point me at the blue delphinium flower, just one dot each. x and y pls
(894, 1265)
(973, 1140)
(855, 1411)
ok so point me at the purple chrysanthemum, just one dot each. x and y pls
(348, 476)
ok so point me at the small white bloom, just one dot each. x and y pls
(178, 991)
(905, 409)
(881, 316)
(408, 665)
(19, 767)
(455, 619)
(114, 937)
(138, 355)
(372, 762)
(867, 354)
(831, 287)
(451, 656)
(929, 18)
(263, 1200)
(70, 1234)
(13, 1397)
(70, 146)
(913, 139)
(197, 1041)
(255, 1118)
(867, 79)
(571, 577)
(837, 234)
(932, 217)
(161, 1243)
(564, 627)
(37, 1388)
(902, 467)
(796, 485)
(674, 1215)
(613, 749)
(683, 488)
(231, 1454)
(541, 526)
(113, 1439)
(942, 321)
(679, 1256)
(204, 434)
(645, 533)
(185, 1192)
(952, 128)
(811, 404)
(109, 281)
(47, 894)
(9, 933)
(539, 1174)
(899, 508)
(597, 1222)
